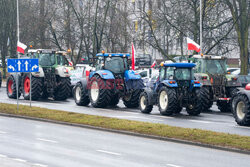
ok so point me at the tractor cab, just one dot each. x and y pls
(179, 75)
(117, 63)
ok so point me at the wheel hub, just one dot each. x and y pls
(241, 110)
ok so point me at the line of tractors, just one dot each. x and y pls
(195, 85)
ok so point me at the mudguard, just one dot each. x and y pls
(19, 78)
(130, 74)
(243, 91)
(104, 74)
(152, 100)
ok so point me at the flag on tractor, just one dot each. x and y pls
(153, 65)
(21, 47)
(193, 45)
(133, 56)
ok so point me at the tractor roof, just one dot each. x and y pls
(113, 54)
(209, 57)
(180, 65)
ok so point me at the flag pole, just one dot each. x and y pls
(201, 27)
(18, 55)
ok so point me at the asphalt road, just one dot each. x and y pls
(26, 143)
(213, 120)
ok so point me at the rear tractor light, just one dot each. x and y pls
(204, 77)
(234, 79)
(172, 82)
(197, 82)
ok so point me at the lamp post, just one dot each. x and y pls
(201, 47)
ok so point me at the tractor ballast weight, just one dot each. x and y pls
(217, 85)
(174, 89)
(52, 79)
(110, 80)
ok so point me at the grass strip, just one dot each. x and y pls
(162, 130)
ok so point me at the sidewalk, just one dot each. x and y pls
(4, 84)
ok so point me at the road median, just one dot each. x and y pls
(205, 138)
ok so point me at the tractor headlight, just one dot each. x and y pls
(65, 70)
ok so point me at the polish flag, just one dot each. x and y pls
(193, 45)
(133, 56)
(21, 47)
(153, 65)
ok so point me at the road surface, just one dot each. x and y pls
(26, 143)
(214, 120)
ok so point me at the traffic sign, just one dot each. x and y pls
(22, 65)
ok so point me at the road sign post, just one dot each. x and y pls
(22, 66)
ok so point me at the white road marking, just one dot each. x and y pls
(2, 132)
(172, 165)
(41, 165)
(108, 152)
(198, 121)
(19, 160)
(237, 126)
(158, 116)
(46, 140)
(3, 156)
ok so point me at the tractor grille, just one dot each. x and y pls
(217, 80)
(50, 79)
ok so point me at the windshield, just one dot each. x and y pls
(215, 66)
(61, 60)
(116, 64)
(184, 74)
(46, 59)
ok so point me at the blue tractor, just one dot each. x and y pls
(174, 89)
(110, 80)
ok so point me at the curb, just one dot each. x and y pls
(131, 133)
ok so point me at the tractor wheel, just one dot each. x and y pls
(195, 108)
(81, 97)
(132, 99)
(63, 89)
(144, 107)
(114, 100)
(206, 101)
(11, 88)
(100, 93)
(36, 90)
(167, 101)
(241, 110)
(224, 106)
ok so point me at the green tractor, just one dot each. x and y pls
(217, 85)
(52, 80)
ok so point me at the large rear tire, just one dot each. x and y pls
(11, 88)
(63, 89)
(167, 101)
(144, 106)
(80, 95)
(195, 108)
(36, 90)
(132, 99)
(100, 92)
(241, 110)
(206, 101)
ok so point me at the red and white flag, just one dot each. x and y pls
(21, 47)
(193, 45)
(153, 65)
(133, 56)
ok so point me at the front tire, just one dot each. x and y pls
(167, 101)
(195, 108)
(132, 99)
(11, 88)
(36, 87)
(206, 101)
(63, 89)
(81, 97)
(144, 106)
(241, 110)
